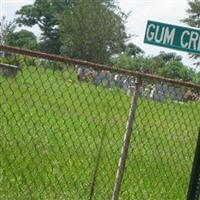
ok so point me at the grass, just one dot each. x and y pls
(50, 131)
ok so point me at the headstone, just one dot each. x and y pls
(162, 92)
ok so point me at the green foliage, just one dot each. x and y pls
(133, 63)
(51, 126)
(165, 64)
(161, 60)
(193, 13)
(23, 39)
(175, 69)
(193, 20)
(6, 30)
(87, 29)
(42, 13)
(92, 30)
(196, 78)
(132, 50)
(166, 57)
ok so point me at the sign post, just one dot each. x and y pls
(194, 185)
(172, 36)
(184, 39)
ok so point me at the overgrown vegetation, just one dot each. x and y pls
(165, 64)
(50, 131)
(88, 29)
(94, 31)
(51, 124)
(192, 19)
(22, 38)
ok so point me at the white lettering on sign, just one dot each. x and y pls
(173, 36)
(150, 35)
(157, 39)
(184, 34)
(169, 36)
(160, 35)
(194, 36)
(198, 47)
(190, 40)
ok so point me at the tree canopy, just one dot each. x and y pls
(165, 64)
(177, 70)
(23, 39)
(92, 30)
(87, 29)
(193, 19)
(133, 50)
(6, 30)
(95, 31)
(43, 13)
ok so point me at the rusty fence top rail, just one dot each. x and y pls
(93, 65)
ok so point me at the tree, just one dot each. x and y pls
(165, 64)
(161, 60)
(132, 49)
(176, 70)
(23, 39)
(43, 13)
(193, 19)
(166, 57)
(6, 30)
(92, 30)
(138, 63)
(196, 78)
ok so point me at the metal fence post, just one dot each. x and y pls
(127, 138)
(194, 185)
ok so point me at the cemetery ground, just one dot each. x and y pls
(50, 131)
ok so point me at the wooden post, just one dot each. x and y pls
(127, 138)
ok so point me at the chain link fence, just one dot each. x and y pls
(62, 130)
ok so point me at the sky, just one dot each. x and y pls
(169, 11)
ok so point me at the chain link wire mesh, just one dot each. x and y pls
(163, 145)
(62, 128)
(52, 127)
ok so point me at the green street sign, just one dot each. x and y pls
(171, 36)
